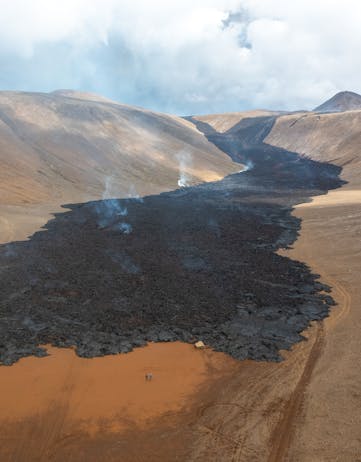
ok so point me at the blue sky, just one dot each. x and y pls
(184, 56)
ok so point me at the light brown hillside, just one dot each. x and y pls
(64, 147)
(334, 138)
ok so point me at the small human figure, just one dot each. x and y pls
(148, 377)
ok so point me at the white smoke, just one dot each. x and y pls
(123, 227)
(133, 194)
(247, 166)
(184, 163)
(110, 210)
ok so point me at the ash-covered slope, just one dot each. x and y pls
(69, 147)
(343, 101)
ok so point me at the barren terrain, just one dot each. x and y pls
(63, 407)
(66, 147)
(197, 263)
(209, 406)
(309, 406)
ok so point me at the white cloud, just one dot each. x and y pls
(184, 56)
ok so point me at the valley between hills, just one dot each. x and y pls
(123, 229)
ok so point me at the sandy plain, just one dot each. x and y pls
(63, 407)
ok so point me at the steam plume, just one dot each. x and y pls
(110, 210)
(185, 163)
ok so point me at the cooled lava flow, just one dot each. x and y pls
(196, 263)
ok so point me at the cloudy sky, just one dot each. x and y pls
(184, 56)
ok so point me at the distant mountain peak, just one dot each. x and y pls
(342, 101)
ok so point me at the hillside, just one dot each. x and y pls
(223, 122)
(343, 101)
(71, 147)
(334, 138)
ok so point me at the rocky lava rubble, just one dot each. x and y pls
(198, 263)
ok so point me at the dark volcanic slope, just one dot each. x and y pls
(197, 263)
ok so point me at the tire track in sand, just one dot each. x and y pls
(284, 431)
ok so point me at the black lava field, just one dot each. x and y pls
(198, 263)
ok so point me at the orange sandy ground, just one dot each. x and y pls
(111, 388)
(55, 408)
(204, 406)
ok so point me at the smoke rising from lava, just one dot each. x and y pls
(185, 163)
(110, 210)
